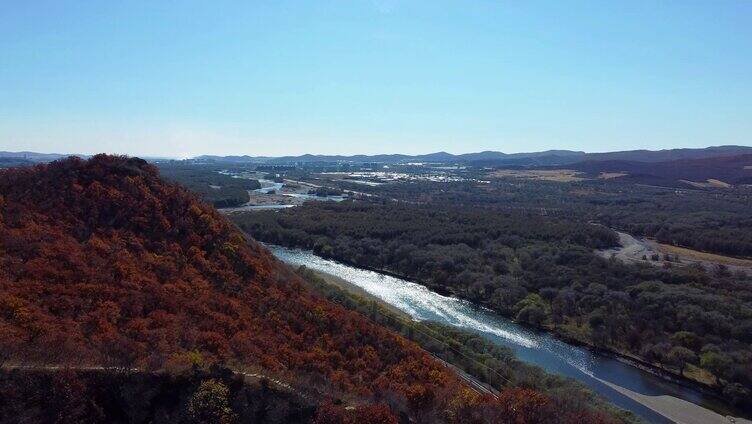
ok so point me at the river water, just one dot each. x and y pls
(535, 347)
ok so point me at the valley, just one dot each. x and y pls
(115, 281)
(523, 265)
(381, 228)
(376, 212)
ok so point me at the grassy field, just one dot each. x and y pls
(558, 175)
(709, 183)
(703, 256)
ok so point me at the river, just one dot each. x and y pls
(602, 374)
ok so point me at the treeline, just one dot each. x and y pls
(718, 221)
(218, 189)
(541, 271)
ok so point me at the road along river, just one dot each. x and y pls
(647, 395)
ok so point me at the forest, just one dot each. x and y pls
(220, 190)
(542, 271)
(735, 170)
(716, 221)
(105, 266)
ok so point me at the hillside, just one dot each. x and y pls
(731, 170)
(102, 264)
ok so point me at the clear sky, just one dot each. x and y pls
(183, 78)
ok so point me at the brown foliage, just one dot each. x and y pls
(103, 263)
(370, 414)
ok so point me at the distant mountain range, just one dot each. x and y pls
(33, 156)
(493, 158)
(438, 157)
(485, 158)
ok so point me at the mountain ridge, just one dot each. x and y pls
(496, 157)
(486, 157)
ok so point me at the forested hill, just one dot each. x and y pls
(102, 264)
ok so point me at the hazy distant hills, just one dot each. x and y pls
(670, 154)
(493, 158)
(12, 162)
(672, 167)
(31, 156)
(485, 158)
(438, 157)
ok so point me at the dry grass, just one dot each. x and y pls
(610, 175)
(718, 183)
(559, 175)
(699, 374)
(703, 256)
(582, 192)
(710, 183)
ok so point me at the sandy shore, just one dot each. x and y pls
(677, 410)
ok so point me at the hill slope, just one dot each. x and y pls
(104, 264)
(728, 169)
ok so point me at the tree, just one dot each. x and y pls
(531, 309)
(210, 403)
(717, 363)
(687, 339)
(656, 353)
(680, 356)
(532, 314)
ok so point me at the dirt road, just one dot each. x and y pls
(641, 250)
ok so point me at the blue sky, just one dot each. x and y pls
(290, 77)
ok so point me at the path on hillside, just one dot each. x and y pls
(245, 375)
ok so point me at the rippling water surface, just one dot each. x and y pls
(535, 347)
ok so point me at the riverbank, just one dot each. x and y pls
(624, 357)
(675, 409)
(637, 362)
(486, 367)
(678, 410)
(534, 347)
(358, 291)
